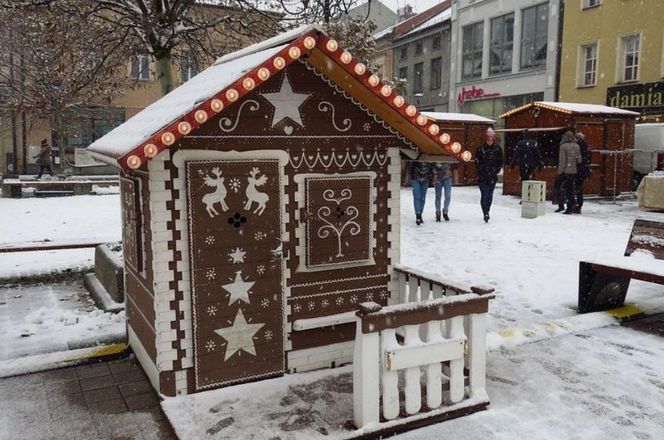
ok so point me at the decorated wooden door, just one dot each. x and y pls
(236, 270)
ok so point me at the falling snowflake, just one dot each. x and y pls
(268, 335)
(211, 273)
(366, 126)
(258, 236)
(209, 240)
(325, 303)
(311, 305)
(235, 184)
(260, 269)
(212, 310)
(265, 303)
(297, 308)
(339, 301)
(353, 299)
(210, 345)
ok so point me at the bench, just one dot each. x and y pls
(603, 284)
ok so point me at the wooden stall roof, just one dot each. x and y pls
(232, 76)
(457, 117)
(572, 108)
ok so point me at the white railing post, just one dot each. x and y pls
(413, 389)
(403, 287)
(366, 377)
(455, 331)
(390, 380)
(477, 353)
(412, 289)
(434, 373)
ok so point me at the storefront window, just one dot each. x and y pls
(472, 50)
(502, 42)
(534, 31)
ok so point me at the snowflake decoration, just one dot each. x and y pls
(384, 295)
(210, 346)
(311, 305)
(258, 236)
(235, 184)
(260, 269)
(297, 308)
(211, 273)
(265, 303)
(212, 310)
(268, 335)
(325, 303)
(353, 299)
(339, 301)
(369, 296)
(366, 126)
(209, 240)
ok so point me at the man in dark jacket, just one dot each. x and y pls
(583, 170)
(527, 155)
(44, 158)
(489, 160)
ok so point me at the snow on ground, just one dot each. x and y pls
(542, 391)
(532, 263)
(38, 319)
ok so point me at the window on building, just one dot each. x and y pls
(502, 43)
(436, 73)
(631, 46)
(140, 68)
(403, 53)
(534, 33)
(472, 50)
(585, 4)
(418, 74)
(188, 67)
(436, 43)
(403, 72)
(419, 48)
(588, 64)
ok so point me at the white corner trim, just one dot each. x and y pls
(148, 366)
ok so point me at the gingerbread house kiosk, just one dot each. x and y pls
(260, 205)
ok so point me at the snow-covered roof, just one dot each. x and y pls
(384, 32)
(436, 19)
(574, 107)
(178, 102)
(462, 117)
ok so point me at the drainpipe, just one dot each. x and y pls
(561, 13)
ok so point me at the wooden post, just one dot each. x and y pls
(477, 353)
(366, 374)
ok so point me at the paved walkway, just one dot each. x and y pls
(111, 400)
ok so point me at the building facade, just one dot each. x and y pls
(614, 55)
(376, 11)
(505, 54)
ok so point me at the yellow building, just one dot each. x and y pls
(613, 54)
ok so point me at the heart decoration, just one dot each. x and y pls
(288, 129)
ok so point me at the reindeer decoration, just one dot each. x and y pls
(253, 195)
(218, 195)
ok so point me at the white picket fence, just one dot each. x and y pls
(442, 328)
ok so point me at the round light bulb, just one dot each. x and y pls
(217, 105)
(456, 147)
(150, 150)
(421, 120)
(466, 156)
(309, 42)
(133, 162)
(386, 90)
(168, 138)
(248, 83)
(200, 116)
(231, 95)
(434, 129)
(263, 73)
(184, 127)
(360, 69)
(279, 63)
(411, 110)
(445, 138)
(346, 57)
(399, 101)
(374, 80)
(294, 52)
(332, 45)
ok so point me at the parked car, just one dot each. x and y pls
(648, 150)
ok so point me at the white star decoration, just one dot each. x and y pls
(239, 289)
(237, 256)
(239, 336)
(286, 103)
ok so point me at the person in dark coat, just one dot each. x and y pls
(583, 170)
(569, 159)
(44, 158)
(489, 160)
(442, 180)
(420, 177)
(527, 154)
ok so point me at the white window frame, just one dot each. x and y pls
(588, 4)
(582, 63)
(622, 56)
(143, 75)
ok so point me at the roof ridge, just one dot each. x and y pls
(420, 18)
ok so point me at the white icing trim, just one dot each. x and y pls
(142, 355)
(324, 321)
(340, 159)
(301, 231)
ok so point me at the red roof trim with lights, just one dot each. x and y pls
(303, 45)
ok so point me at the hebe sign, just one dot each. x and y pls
(473, 93)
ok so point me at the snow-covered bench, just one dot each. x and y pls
(603, 283)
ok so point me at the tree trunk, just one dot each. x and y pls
(56, 145)
(164, 74)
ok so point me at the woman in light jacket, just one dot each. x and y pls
(568, 160)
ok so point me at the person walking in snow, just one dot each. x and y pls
(442, 179)
(583, 171)
(489, 160)
(420, 177)
(569, 159)
(44, 158)
(527, 154)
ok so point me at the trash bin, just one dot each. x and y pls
(533, 198)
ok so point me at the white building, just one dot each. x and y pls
(504, 54)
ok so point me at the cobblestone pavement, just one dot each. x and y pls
(110, 400)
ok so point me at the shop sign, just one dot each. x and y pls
(473, 93)
(643, 98)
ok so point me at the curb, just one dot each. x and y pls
(61, 359)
